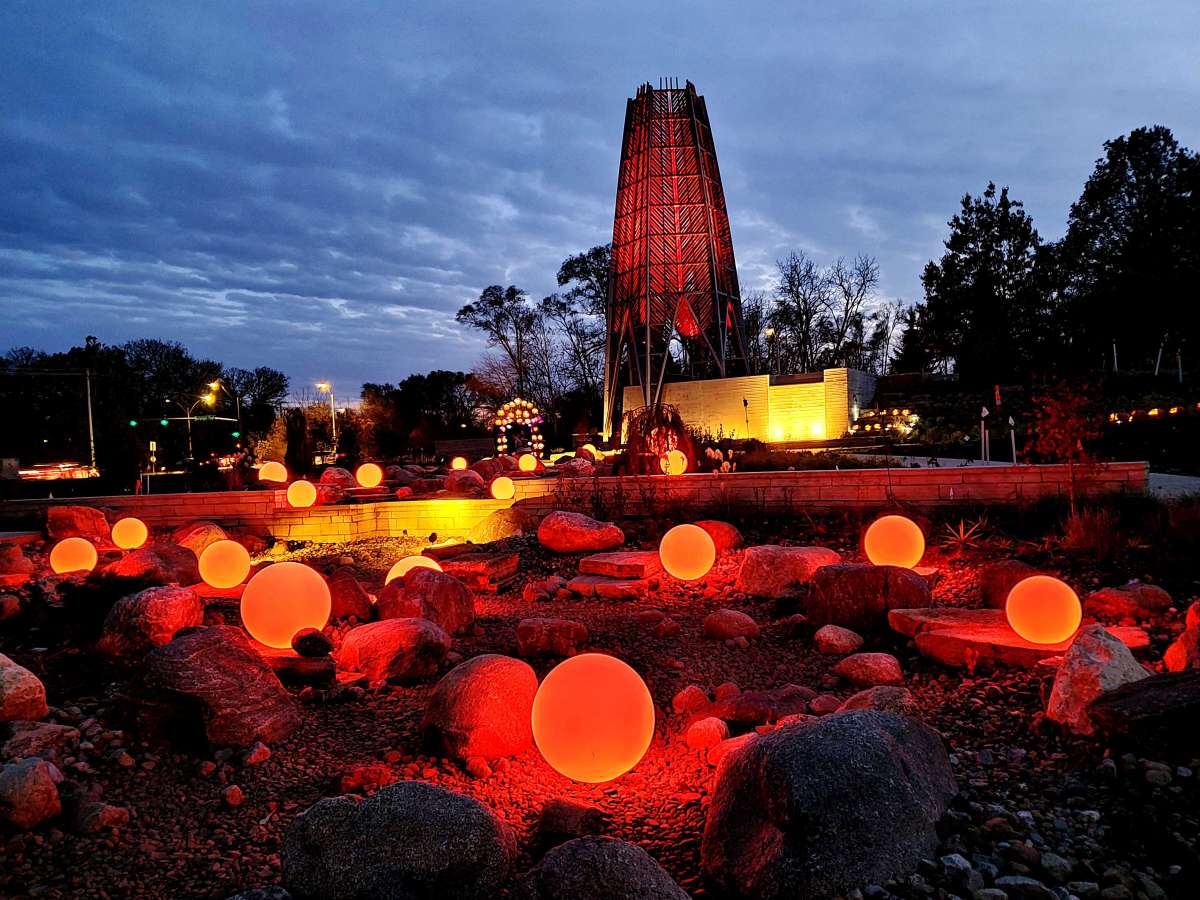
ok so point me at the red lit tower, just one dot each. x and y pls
(673, 282)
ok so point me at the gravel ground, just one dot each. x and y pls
(1033, 803)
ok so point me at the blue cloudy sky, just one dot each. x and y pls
(320, 186)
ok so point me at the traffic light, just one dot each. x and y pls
(133, 423)
(162, 422)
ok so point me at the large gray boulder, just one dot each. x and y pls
(155, 564)
(409, 841)
(77, 521)
(776, 572)
(1096, 664)
(137, 624)
(482, 708)
(504, 523)
(815, 809)
(858, 596)
(428, 594)
(394, 649)
(22, 694)
(599, 868)
(29, 793)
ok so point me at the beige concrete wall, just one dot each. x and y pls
(798, 412)
(716, 406)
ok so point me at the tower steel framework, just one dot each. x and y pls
(672, 275)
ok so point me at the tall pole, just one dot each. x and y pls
(333, 419)
(189, 425)
(91, 431)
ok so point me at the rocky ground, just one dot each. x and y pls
(1039, 812)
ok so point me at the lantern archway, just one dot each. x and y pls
(510, 423)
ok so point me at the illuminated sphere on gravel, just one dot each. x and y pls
(503, 488)
(527, 462)
(72, 554)
(593, 718)
(224, 564)
(272, 471)
(369, 475)
(406, 565)
(282, 599)
(894, 541)
(673, 462)
(458, 463)
(129, 533)
(687, 552)
(1043, 610)
(301, 494)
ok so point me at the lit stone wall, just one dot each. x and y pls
(716, 405)
(798, 412)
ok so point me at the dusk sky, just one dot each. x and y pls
(318, 187)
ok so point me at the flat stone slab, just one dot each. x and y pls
(967, 645)
(206, 592)
(481, 567)
(622, 564)
(14, 580)
(911, 622)
(292, 668)
(20, 538)
(608, 588)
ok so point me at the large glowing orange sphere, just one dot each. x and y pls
(72, 554)
(301, 494)
(224, 564)
(406, 565)
(282, 599)
(1043, 610)
(673, 462)
(503, 488)
(458, 463)
(687, 552)
(592, 718)
(527, 462)
(894, 541)
(369, 475)
(272, 471)
(591, 448)
(129, 533)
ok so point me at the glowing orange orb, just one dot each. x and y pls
(301, 494)
(673, 462)
(527, 462)
(369, 475)
(272, 471)
(591, 448)
(503, 488)
(687, 552)
(406, 565)
(72, 554)
(1043, 610)
(130, 533)
(458, 463)
(224, 564)
(894, 541)
(282, 599)
(592, 718)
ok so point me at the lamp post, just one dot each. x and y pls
(237, 400)
(326, 387)
(209, 398)
(770, 335)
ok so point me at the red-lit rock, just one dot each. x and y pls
(996, 579)
(503, 523)
(198, 536)
(347, 596)
(575, 468)
(29, 793)
(94, 817)
(339, 477)
(428, 594)
(482, 708)
(399, 649)
(550, 637)
(311, 643)
(1184, 652)
(155, 564)
(487, 468)
(728, 624)
(22, 695)
(776, 572)
(1096, 663)
(888, 698)
(77, 521)
(760, 707)
(859, 596)
(328, 494)
(465, 483)
(836, 640)
(410, 839)
(870, 669)
(829, 793)
(1133, 601)
(690, 699)
(596, 868)
(725, 536)
(562, 819)
(622, 564)
(137, 624)
(212, 683)
(705, 733)
(569, 532)
(48, 740)
(13, 561)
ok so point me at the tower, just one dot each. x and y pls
(672, 281)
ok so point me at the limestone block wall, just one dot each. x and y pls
(798, 412)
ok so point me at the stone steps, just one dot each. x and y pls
(622, 564)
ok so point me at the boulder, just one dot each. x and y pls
(503, 523)
(339, 477)
(428, 594)
(465, 483)
(397, 475)
(266, 892)
(21, 739)
(814, 809)
(482, 708)
(77, 521)
(155, 564)
(569, 532)
(888, 698)
(870, 669)
(859, 596)
(836, 640)
(725, 536)
(29, 793)
(311, 643)
(562, 819)
(137, 624)
(1184, 652)
(198, 536)
(728, 624)
(487, 468)
(408, 840)
(10, 606)
(575, 468)
(1158, 714)
(22, 695)
(212, 683)
(599, 868)
(347, 596)
(706, 733)
(996, 579)
(400, 649)
(622, 564)
(759, 707)
(550, 637)
(776, 572)
(1096, 663)
(13, 561)
(1133, 601)
(330, 493)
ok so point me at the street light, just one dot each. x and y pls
(210, 399)
(237, 400)
(770, 335)
(326, 387)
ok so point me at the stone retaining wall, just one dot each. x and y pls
(267, 512)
